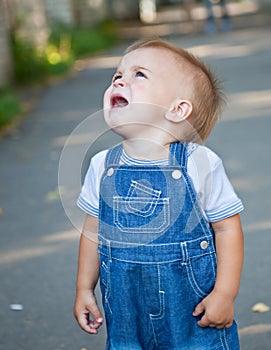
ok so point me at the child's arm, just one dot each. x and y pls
(218, 307)
(85, 305)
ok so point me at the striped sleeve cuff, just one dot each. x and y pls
(230, 210)
(87, 207)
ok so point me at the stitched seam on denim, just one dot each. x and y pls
(184, 253)
(113, 155)
(148, 211)
(136, 168)
(154, 334)
(156, 262)
(193, 282)
(143, 245)
(159, 278)
(177, 254)
(183, 157)
(124, 200)
(201, 255)
(135, 185)
(103, 266)
(176, 153)
(214, 262)
(109, 307)
(164, 224)
(103, 178)
(190, 272)
(224, 339)
(179, 153)
(165, 244)
(161, 312)
(172, 158)
(150, 204)
(192, 279)
(107, 286)
(146, 262)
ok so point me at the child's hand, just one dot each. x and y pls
(217, 311)
(85, 306)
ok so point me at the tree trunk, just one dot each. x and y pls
(5, 50)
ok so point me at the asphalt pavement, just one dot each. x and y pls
(38, 250)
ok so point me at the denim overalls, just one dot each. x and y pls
(157, 258)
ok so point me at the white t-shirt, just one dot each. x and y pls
(214, 191)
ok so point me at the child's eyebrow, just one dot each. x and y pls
(133, 68)
(140, 67)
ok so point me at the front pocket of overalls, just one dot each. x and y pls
(142, 210)
(141, 215)
(201, 272)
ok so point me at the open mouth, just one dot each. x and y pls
(118, 101)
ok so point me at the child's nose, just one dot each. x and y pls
(120, 82)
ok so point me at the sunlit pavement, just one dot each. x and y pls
(38, 248)
(190, 20)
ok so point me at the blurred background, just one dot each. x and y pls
(41, 39)
(56, 59)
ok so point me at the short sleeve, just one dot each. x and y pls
(215, 192)
(223, 201)
(88, 199)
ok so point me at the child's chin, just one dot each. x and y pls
(118, 115)
(126, 131)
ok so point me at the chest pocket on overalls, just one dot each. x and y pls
(143, 210)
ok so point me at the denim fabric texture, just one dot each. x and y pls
(157, 258)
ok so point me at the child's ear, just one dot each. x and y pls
(179, 111)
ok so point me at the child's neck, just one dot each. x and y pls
(146, 149)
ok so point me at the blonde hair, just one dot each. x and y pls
(208, 97)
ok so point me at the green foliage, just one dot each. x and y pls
(65, 44)
(28, 65)
(31, 65)
(84, 41)
(9, 107)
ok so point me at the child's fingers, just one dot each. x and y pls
(204, 322)
(199, 309)
(88, 325)
(87, 313)
(95, 311)
(85, 324)
(97, 318)
(96, 323)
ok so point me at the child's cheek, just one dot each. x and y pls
(106, 99)
(140, 92)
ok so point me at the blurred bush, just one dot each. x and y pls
(33, 65)
(9, 106)
(65, 44)
(84, 41)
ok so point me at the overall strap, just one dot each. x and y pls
(113, 156)
(178, 154)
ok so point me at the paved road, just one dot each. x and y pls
(38, 248)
